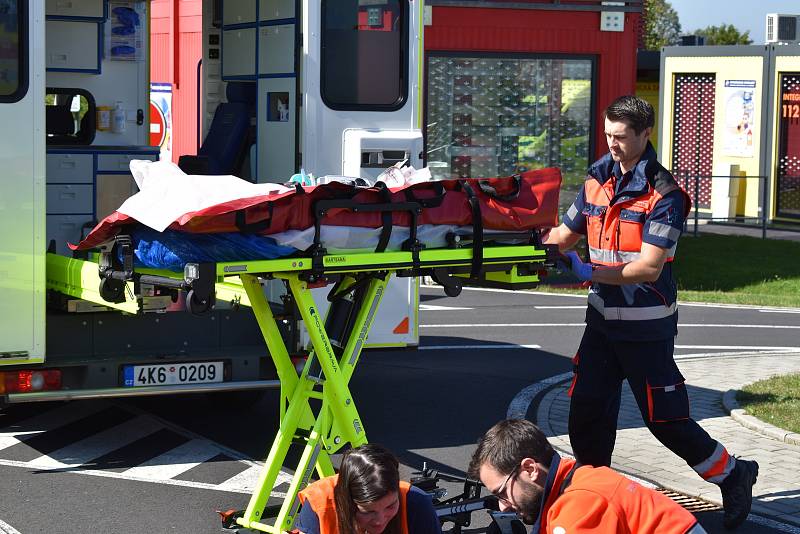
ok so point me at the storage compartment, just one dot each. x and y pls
(84, 9)
(73, 46)
(69, 168)
(277, 150)
(239, 52)
(69, 199)
(119, 162)
(276, 49)
(65, 229)
(276, 9)
(238, 12)
(112, 191)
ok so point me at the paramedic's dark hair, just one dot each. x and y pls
(507, 443)
(633, 111)
(368, 473)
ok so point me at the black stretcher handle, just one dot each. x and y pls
(487, 189)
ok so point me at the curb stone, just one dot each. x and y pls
(730, 404)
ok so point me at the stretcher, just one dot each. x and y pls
(317, 410)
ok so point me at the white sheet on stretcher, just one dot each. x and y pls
(166, 192)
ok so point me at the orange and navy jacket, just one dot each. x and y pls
(598, 499)
(650, 207)
(320, 496)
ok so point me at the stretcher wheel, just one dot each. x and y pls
(195, 305)
(112, 290)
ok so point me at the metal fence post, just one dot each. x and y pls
(764, 202)
(696, 201)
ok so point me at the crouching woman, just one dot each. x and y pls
(366, 497)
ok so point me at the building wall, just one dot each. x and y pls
(783, 64)
(724, 67)
(538, 31)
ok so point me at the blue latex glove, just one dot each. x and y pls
(580, 269)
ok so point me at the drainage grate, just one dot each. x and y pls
(692, 504)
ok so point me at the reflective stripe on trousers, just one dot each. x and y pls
(630, 314)
(697, 529)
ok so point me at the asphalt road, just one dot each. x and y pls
(166, 464)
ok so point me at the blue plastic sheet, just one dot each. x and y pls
(172, 250)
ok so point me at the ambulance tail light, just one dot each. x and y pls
(27, 381)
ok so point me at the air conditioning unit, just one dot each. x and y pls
(783, 29)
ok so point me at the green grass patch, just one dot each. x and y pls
(738, 270)
(731, 270)
(775, 401)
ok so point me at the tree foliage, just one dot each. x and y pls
(661, 25)
(724, 34)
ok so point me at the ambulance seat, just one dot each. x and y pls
(230, 135)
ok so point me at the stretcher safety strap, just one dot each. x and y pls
(386, 218)
(477, 230)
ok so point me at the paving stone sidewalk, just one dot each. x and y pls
(638, 453)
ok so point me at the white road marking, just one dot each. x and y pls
(167, 481)
(433, 307)
(548, 325)
(479, 325)
(159, 470)
(5, 528)
(473, 347)
(583, 307)
(762, 309)
(49, 420)
(739, 347)
(248, 479)
(176, 461)
(82, 451)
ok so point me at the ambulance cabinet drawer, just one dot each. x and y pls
(276, 9)
(69, 168)
(83, 9)
(238, 12)
(66, 229)
(69, 199)
(72, 46)
(119, 162)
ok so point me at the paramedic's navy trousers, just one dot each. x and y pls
(657, 385)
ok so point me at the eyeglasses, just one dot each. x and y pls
(500, 492)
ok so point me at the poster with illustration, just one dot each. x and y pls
(125, 30)
(161, 118)
(739, 132)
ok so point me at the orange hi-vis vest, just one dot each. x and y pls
(649, 207)
(320, 496)
(614, 226)
(598, 499)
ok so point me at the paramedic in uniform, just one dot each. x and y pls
(632, 211)
(366, 497)
(559, 496)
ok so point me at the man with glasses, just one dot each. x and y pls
(517, 464)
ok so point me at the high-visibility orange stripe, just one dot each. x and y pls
(719, 466)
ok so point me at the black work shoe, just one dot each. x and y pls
(737, 492)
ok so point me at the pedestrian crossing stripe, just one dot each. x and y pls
(170, 455)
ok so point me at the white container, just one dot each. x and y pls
(118, 118)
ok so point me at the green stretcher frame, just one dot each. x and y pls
(326, 375)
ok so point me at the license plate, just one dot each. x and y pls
(172, 373)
